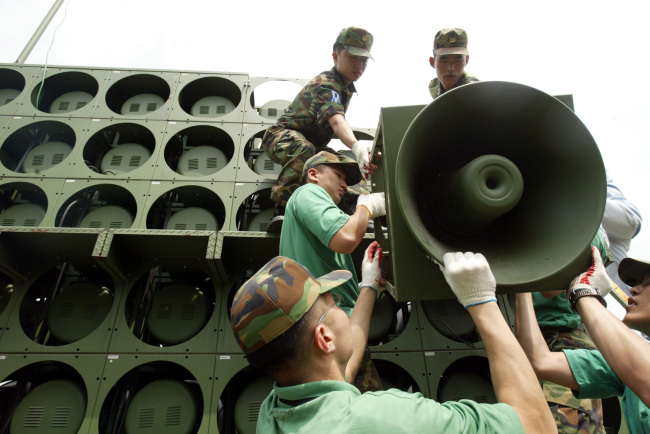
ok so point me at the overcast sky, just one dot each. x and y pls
(595, 50)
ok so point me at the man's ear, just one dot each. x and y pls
(324, 339)
(466, 59)
(312, 176)
(432, 62)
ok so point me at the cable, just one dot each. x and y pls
(47, 55)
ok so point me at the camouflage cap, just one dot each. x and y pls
(450, 41)
(348, 165)
(275, 298)
(357, 41)
(632, 271)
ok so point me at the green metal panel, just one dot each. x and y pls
(181, 141)
(33, 296)
(281, 88)
(25, 141)
(132, 334)
(194, 87)
(120, 100)
(16, 77)
(173, 196)
(402, 370)
(249, 151)
(249, 198)
(440, 364)
(405, 335)
(100, 156)
(42, 192)
(8, 289)
(79, 197)
(58, 83)
(86, 370)
(131, 372)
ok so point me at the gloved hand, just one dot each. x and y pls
(594, 277)
(361, 151)
(470, 278)
(375, 202)
(371, 268)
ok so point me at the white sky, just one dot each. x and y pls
(595, 50)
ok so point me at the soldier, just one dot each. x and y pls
(620, 366)
(287, 323)
(315, 115)
(320, 236)
(450, 55)
(562, 329)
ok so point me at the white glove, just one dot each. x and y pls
(361, 151)
(375, 202)
(371, 268)
(470, 277)
(595, 277)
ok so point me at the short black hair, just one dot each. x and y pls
(284, 349)
(338, 47)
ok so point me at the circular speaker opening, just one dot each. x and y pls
(205, 210)
(467, 378)
(78, 310)
(209, 97)
(43, 397)
(119, 149)
(98, 206)
(271, 98)
(241, 399)
(169, 305)
(160, 397)
(201, 150)
(37, 147)
(393, 376)
(258, 160)
(65, 304)
(12, 85)
(256, 211)
(64, 92)
(23, 204)
(138, 95)
(451, 320)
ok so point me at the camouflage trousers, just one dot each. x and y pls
(571, 415)
(291, 150)
(367, 379)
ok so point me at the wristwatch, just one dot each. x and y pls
(587, 291)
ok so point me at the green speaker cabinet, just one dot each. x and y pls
(210, 97)
(460, 374)
(64, 93)
(404, 370)
(39, 148)
(46, 393)
(199, 151)
(137, 95)
(268, 97)
(119, 150)
(154, 393)
(14, 81)
(29, 202)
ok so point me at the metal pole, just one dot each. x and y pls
(39, 31)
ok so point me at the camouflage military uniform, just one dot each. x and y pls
(304, 130)
(571, 415)
(436, 90)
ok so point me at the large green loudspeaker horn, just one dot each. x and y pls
(508, 171)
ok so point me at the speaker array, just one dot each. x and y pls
(133, 205)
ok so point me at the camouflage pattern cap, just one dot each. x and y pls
(450, 41)
(349, 166)
(357, 41)
(274, 299)
(632, 271)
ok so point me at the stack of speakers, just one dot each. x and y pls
(133, 204)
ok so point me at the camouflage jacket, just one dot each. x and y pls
(324, 96)
(436, 90)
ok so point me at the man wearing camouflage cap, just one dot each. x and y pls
(450, 55)
(316, 232)
(315, 116)
(288, 323)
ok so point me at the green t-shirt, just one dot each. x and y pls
(597, 380)
(338, 407)
(310, 221)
